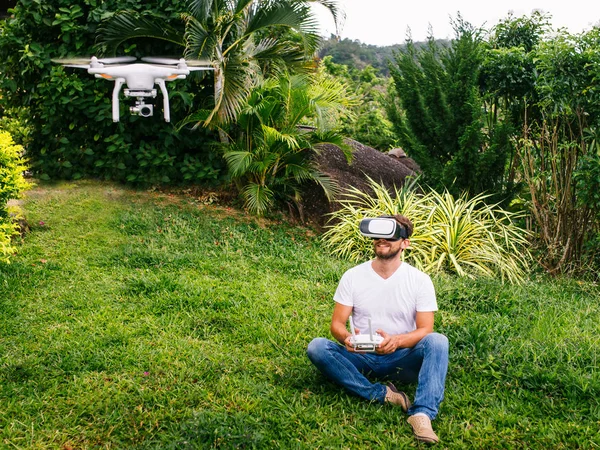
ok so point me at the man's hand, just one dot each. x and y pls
(389, 344)
(349, 345)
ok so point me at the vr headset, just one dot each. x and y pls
(383, 228)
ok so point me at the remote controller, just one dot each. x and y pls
(365, 342)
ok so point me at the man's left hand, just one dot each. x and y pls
(389, 344)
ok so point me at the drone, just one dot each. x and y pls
(140, 78)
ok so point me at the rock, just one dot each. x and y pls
(366, 163)
(397, 153)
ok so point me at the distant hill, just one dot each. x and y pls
(358, 55)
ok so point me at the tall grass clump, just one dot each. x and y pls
(464, 236)
(12, 184)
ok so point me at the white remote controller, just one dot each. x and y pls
(365, 342)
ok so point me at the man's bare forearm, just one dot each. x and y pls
(339, 332)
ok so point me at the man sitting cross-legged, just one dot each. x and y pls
(400, 301)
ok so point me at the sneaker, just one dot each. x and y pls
(422, 430)
(396, 397)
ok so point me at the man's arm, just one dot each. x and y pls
(424, 322)
(338, 324)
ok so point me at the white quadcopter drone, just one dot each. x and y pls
(139, 77)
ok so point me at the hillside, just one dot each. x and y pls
(356, 54)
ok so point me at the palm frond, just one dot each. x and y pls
(272, 135)
(126, 25)
(200, 9)
(199, 42)
(330, 187)
(338, 14)
(238, 161)
(258, 199)
(239, 6)
(194, 119)
(282, 13)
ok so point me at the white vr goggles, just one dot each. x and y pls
(383, 228)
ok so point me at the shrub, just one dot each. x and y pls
(457, 235)
(12, 184)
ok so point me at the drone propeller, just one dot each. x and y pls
(77, 66)
(84, 63)
(191, 64)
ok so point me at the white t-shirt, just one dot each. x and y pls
(390, 303)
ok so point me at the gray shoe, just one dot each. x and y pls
(422, 430)
(396, 397)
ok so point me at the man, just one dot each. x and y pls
(400, 301)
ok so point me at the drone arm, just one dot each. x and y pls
(115, 98)
(165, 93)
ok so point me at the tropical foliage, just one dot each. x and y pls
(554, 102)
(280, 128)
(368, 123)
(12, 185)
(460, 235)
(514, 114)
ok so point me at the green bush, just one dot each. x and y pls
(456, 235)
(367, 122)
(12, 184)
(70, 132)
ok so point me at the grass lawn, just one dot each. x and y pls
(137, 319)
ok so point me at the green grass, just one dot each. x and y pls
(144, 320)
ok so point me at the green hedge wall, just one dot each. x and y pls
(71, 133)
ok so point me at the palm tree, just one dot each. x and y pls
(272, 158)
(243, 39)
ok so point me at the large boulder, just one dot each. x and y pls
(367, 162)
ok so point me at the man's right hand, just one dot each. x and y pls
(348, 342)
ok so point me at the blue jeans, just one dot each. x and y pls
(426, 363)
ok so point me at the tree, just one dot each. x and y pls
(438, 114)
(367, 122)
(558, 149)
(507, 77)
(544, 85)
(243, 39)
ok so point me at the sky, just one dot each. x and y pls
(385, 22)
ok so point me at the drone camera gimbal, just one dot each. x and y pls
(142, 108)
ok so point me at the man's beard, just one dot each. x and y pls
(387, 256)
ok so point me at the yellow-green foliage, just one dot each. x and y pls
(457, 235)
(12, 185)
